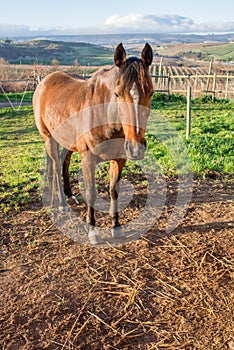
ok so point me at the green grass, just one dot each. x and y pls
(202, 51)
(224, 52)
(21, 149)
(211, 143)
(209, 148)
(17, 97)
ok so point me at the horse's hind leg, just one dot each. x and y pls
(116, 167)
(49, 169)
(66, 158)
(53, 154)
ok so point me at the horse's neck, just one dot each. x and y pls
(106, 78)
(103, 98)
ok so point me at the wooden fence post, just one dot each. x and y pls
(154, 73)
(226, 90)
(168, 85)
(189, 103)
(39, 79)
(214, 87)
(209, 73)
(159, 73)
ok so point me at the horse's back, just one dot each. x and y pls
(52, 91)
(54, 82)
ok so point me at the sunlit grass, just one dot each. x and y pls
(21, 150)
(211, 142)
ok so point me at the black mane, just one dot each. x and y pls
(132, 71)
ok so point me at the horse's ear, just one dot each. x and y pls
(147, 55)
(120, 55)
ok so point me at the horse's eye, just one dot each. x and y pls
(116, 94)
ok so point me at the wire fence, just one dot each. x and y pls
(166, 79)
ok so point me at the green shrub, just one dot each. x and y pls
(210, 99)
(177, 98)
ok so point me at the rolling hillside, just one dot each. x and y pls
(49, 52)
(53, 52)
(202, 51)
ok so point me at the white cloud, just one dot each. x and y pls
(131, 23)
(149, 23)
(135, 22)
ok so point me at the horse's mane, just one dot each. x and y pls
(134, 71)
(131, 71)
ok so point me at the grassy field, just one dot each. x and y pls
(206, 51)
(21, 150)
(223, 52)
(210, 147)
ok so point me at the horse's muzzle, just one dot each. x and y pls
(135, 150)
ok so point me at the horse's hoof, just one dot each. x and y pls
(63, 209)
(94, 236)
(117, 232)
(72, 200)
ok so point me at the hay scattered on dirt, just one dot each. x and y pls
(160, 292)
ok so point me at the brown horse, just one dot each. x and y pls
(102, 118)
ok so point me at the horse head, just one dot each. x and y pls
(133, 92)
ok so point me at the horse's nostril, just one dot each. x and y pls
(134, 150)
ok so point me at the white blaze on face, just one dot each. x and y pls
(136, 97)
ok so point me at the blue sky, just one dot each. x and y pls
(118, 16)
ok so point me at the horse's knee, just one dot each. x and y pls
(113, 193)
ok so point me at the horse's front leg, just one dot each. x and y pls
(116, 167)
(88, 170)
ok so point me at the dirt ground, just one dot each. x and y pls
(159, 292)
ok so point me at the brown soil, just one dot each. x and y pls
(159, 292)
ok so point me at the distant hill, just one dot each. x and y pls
(97, 50)
(114, 39)
(204, 51)
(55, 52)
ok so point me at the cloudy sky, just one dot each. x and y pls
(27, 17)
